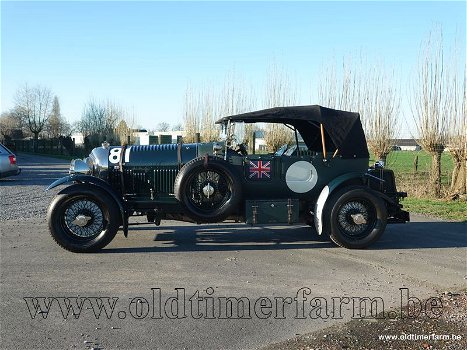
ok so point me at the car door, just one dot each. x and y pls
(262, 177)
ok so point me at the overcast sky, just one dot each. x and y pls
(142, 55)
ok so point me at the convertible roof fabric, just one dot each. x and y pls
(343, 128)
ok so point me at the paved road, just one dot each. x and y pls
(208, 261)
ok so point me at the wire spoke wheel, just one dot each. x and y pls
(208, 190)
(356, 218)
(83, 218)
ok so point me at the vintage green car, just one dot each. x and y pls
(322, 179)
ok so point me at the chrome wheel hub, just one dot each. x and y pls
(84, 218)
(81, 220)
(358, 219)
(354, 218)
(208, 190)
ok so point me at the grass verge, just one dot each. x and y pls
(443, 209)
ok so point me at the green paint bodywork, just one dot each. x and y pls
(150, 172)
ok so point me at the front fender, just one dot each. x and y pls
(95, 181)
(79, 178)
(59, 182)
(323, 197)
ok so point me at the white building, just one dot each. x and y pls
(78, 138)
(145, 139)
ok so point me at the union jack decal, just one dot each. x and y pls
(260, 169)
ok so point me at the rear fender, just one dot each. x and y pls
(101, 184)
(320, 226)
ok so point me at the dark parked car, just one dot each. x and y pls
(327, 183)
(8, 166)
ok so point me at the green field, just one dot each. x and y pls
(413, 180)
(416, 184)
(402, 162)
(443, 209)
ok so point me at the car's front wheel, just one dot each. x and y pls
(83, 219)
(357, 216)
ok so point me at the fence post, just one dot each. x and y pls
(253, 142)
(415, 164)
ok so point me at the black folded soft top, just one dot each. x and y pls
(343, 130)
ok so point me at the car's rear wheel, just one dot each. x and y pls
(357, 217)
(83, 218)
(208, 189)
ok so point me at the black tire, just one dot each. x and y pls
(212, 174)
(100, 218)
(346, 231)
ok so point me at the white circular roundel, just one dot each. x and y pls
(301, 177)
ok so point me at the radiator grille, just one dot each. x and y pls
(164, 178)
(140, 181)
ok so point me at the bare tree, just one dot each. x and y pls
(237, 97)
(458, 131)
(379, 110)
(430, 104)
(177, 127)
(93, 118)
(207, 113)
(280, 91)
(342, 88)
(10, 125)
(123, 131)
(99, 121)
(201, 109)
(56, 125)
(113, 114)
(364, 87)
(163, 126)
(190, 118)
(35, 106)
(126, 124)
(207, 104)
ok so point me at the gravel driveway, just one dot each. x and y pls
(24, 196)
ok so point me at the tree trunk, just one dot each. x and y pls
(415, 164)
(460, 186)
(456, 171)
(436, 174)
(36, 142)
(383, 157)
(458, 180)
